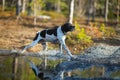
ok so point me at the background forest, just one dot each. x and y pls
(95, 21)
(108, 9)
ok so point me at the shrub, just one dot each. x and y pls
(81, 38)
(78, 39)
(99, 31)
(93, 31)
(107, 32)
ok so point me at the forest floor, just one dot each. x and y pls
(16, 34)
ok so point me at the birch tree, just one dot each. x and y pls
(58, 6)
(106, 10)
(23, 6)
(118, 12)
(35, 11)
(80, 7)
(18, 9)
(29, 8)
(37, 6)
(71, 11)
(3, 5)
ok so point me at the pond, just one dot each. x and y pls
(16, 68)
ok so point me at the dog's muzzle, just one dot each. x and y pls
(72, 28)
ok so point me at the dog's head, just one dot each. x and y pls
(67, 27)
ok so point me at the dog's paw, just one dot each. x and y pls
(73, 57)
(23, 51)
(59, 54)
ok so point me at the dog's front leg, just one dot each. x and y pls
(68, 51)
(60, 47)
(62, 41)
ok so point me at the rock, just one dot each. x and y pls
(71, 65)
(44, 17)
(102, 51)
(77, 78)
(104, 55)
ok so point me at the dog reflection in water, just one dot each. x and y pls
(37, 72)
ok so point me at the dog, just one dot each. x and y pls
(55, 35)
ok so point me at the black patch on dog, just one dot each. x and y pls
(52, 31)
(36, 37)
(43, 33)
(67, 27)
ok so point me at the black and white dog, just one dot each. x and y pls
(55, 35)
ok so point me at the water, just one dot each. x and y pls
(16, 68)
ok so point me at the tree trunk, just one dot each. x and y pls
(23, 7)
(18, 7)
(35, 12)
(79, 8)
(94, 10)
(3, 5)
(118, 12)
(29, 9)
(71, 11)
(58, 6)
(106, 10)
(90, 11)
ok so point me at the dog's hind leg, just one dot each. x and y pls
(30, 45)
(35, 41)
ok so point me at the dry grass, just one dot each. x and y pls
(14, 35)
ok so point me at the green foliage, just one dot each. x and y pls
(81, 36)
(102, 28)
(107, 32)
(64, 8)
(78, 39)
(111, 15)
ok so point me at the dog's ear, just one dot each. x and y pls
(66, 25)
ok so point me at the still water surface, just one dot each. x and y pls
(16, 68)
